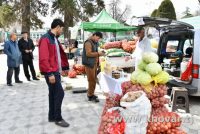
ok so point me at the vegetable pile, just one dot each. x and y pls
(159, 102)
(72, 74)
(79, 69)
(149, 71)
(129, 87)
(110, 124)
(151, 79)
(128, 46)
(116, 44)
(164, 123)
(112, 100)
(131, 96)
(157, 91)
(114, 50)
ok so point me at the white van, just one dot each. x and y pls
(1, 47)
(177, 38)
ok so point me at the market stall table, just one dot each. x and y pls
(109, 84)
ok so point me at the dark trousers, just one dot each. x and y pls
(26, 64)
(56, 95)
(10, 73)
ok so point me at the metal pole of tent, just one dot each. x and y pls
(83, 35)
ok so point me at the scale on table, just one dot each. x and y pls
(171, 66)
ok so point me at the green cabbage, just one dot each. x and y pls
(142, 65)
(144, 78)
(161, 78)
(112, 50)
(150, 57)
(116, 54)
(134, 76)
(153, 69)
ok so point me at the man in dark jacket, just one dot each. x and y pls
(13, 60)
(26, 47)
(52, 61)
(90, 59)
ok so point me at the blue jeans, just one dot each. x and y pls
(56, 95)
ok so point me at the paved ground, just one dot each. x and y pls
(24, 107)
(24, 110)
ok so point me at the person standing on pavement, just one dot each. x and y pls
(143, 45)
(52, 60)
(26, 47)
(13, 53)
(90, 58)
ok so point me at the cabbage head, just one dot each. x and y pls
(144, 78)
(150, 57)
(142, 65)
(153, 68)
(134, 76)
(161, 78)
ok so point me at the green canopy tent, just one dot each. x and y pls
(194, 21)
(105, 23)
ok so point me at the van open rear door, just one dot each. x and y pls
(160, 23)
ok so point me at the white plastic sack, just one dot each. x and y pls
(136, 114)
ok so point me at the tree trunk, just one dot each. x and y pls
(68, 22)
(1, 1)
(66, 28)
(26, 16)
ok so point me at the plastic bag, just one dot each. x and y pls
(163, 123)
(188, 72)
(136, 114)
(159, 102)
(112, 100)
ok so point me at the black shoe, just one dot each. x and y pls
(35, 78)
(93, 98)
(9, 84)
(19, 81)
(28, 79)
(62, 123)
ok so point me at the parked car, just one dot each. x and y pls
(175, 38)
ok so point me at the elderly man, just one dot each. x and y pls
(13, 59)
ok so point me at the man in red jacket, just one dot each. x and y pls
(52, 61)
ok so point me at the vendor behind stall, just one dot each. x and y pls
(143, 45)
(75, 50)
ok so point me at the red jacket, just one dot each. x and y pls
(48, 61)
